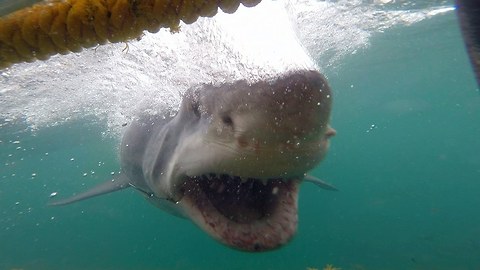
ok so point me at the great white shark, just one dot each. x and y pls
(232, 158)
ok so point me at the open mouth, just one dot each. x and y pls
(244, 213)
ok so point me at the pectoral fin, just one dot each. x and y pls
(319, 182)
(117, 183)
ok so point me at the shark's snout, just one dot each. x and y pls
(257, 143)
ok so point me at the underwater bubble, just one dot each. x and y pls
(160, 67)
(156, 71)
(371, 128)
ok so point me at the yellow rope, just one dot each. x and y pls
(63, 26)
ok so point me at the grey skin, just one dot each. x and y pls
(232, 158)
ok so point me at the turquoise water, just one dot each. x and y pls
(406, 159)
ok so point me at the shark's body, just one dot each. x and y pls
(232, 158)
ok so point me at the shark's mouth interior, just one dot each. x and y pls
(245, 213)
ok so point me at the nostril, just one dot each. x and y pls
(196, 109)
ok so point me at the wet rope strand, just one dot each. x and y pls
(57, 26)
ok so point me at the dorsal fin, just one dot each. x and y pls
(117, 183)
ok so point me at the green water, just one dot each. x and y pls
(409, 184)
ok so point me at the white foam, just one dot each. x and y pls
(112, 81)
(332, 30)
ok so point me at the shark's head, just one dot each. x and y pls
(242, 152)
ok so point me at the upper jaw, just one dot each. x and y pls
(246, 214)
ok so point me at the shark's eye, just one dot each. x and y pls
(227, 120)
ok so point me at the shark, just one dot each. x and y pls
(232, 158)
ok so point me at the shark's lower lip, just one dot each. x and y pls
(246, 214)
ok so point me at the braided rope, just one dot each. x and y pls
(63, 26)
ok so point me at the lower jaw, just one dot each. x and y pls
(267, 233)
